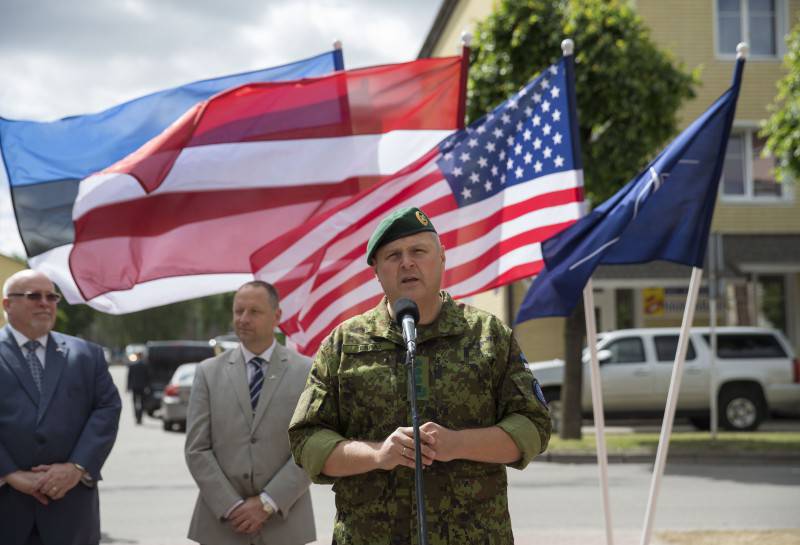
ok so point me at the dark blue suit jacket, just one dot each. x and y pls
(75, 419)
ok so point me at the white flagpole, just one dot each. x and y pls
(713, 293)
(597, 406)
(672, 402)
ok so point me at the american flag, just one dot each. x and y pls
(494, 191)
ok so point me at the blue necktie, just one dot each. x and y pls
(257, 381)
(33, 362)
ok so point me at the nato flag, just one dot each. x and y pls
(662, 214)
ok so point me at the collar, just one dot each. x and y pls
(450, 321)
(265, 355)
(22, 339)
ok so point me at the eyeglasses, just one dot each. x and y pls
(38, 295)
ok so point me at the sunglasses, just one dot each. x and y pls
(37, 296)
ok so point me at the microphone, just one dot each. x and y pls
(406, 313)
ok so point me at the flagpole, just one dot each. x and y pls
(466, 40)
(713, 297)
(672, 402)
(597, 406)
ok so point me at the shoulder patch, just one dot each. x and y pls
(537, 389)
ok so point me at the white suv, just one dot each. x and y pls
(757, 374)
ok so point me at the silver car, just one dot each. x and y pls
(756, 372)
(176, 397)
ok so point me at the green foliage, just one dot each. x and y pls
(628, 92)
(782, 129)
(199, 319)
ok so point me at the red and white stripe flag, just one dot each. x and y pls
(181, 216)
(494, 192)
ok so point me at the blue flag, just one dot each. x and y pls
(45, 161)
(662, 214)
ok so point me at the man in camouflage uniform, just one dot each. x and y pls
(475, 396)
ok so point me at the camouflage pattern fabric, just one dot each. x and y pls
(471, 375)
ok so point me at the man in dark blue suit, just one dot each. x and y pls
(59, 413)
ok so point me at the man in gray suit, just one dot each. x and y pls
(237, 446)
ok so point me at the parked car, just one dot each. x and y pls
(221, 343)
(176, 397)
(757, 374)
(162, 358)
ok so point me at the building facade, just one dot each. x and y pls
(8, 266)
(754, 251)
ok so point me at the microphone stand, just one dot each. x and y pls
(422, 523)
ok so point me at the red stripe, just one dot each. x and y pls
(217, 243)
(311, 346)
(458, 274)
(508, 213)
(519, 272)
(418, 95)
(163, 212)
(271, 250)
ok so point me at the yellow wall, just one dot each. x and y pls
(690, 38)
(7, 267)
(464, 17)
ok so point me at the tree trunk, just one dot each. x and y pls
(574, 334)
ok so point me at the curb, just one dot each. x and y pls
(791, 458)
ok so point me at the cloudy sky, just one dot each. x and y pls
(68, 57)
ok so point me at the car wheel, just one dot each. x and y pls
(553, 398)
(167, 425)
(741, 408)
(182, 426)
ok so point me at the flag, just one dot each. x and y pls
(494, 191)
(46, 161)
(181, 216)
(664, 213)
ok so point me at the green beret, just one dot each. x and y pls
(400, 223)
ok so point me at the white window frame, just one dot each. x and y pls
(781, 29)
(787, 192)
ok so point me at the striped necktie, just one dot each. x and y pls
(33, 362)
(257, 381)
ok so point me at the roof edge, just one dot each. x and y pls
(437, 28)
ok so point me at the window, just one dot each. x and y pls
(747, 175)
(747, 346)
(760, 23)
(629, 350)
(771, 296)
(667, 345)
(625, 304)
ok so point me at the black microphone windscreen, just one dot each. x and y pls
(405, 307)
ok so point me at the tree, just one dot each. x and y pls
(628, 95)
(782, 129)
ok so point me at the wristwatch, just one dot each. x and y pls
(267, 506)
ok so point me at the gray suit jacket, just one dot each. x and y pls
(233, 453)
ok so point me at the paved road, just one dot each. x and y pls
(147, 495)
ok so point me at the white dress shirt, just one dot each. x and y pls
(22, 339)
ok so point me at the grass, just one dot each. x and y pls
(740, 537)
(685, 443)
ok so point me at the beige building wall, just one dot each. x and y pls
(464, 17)
(691, 38)
(8, 267)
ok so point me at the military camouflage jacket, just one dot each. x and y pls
(471, 374)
